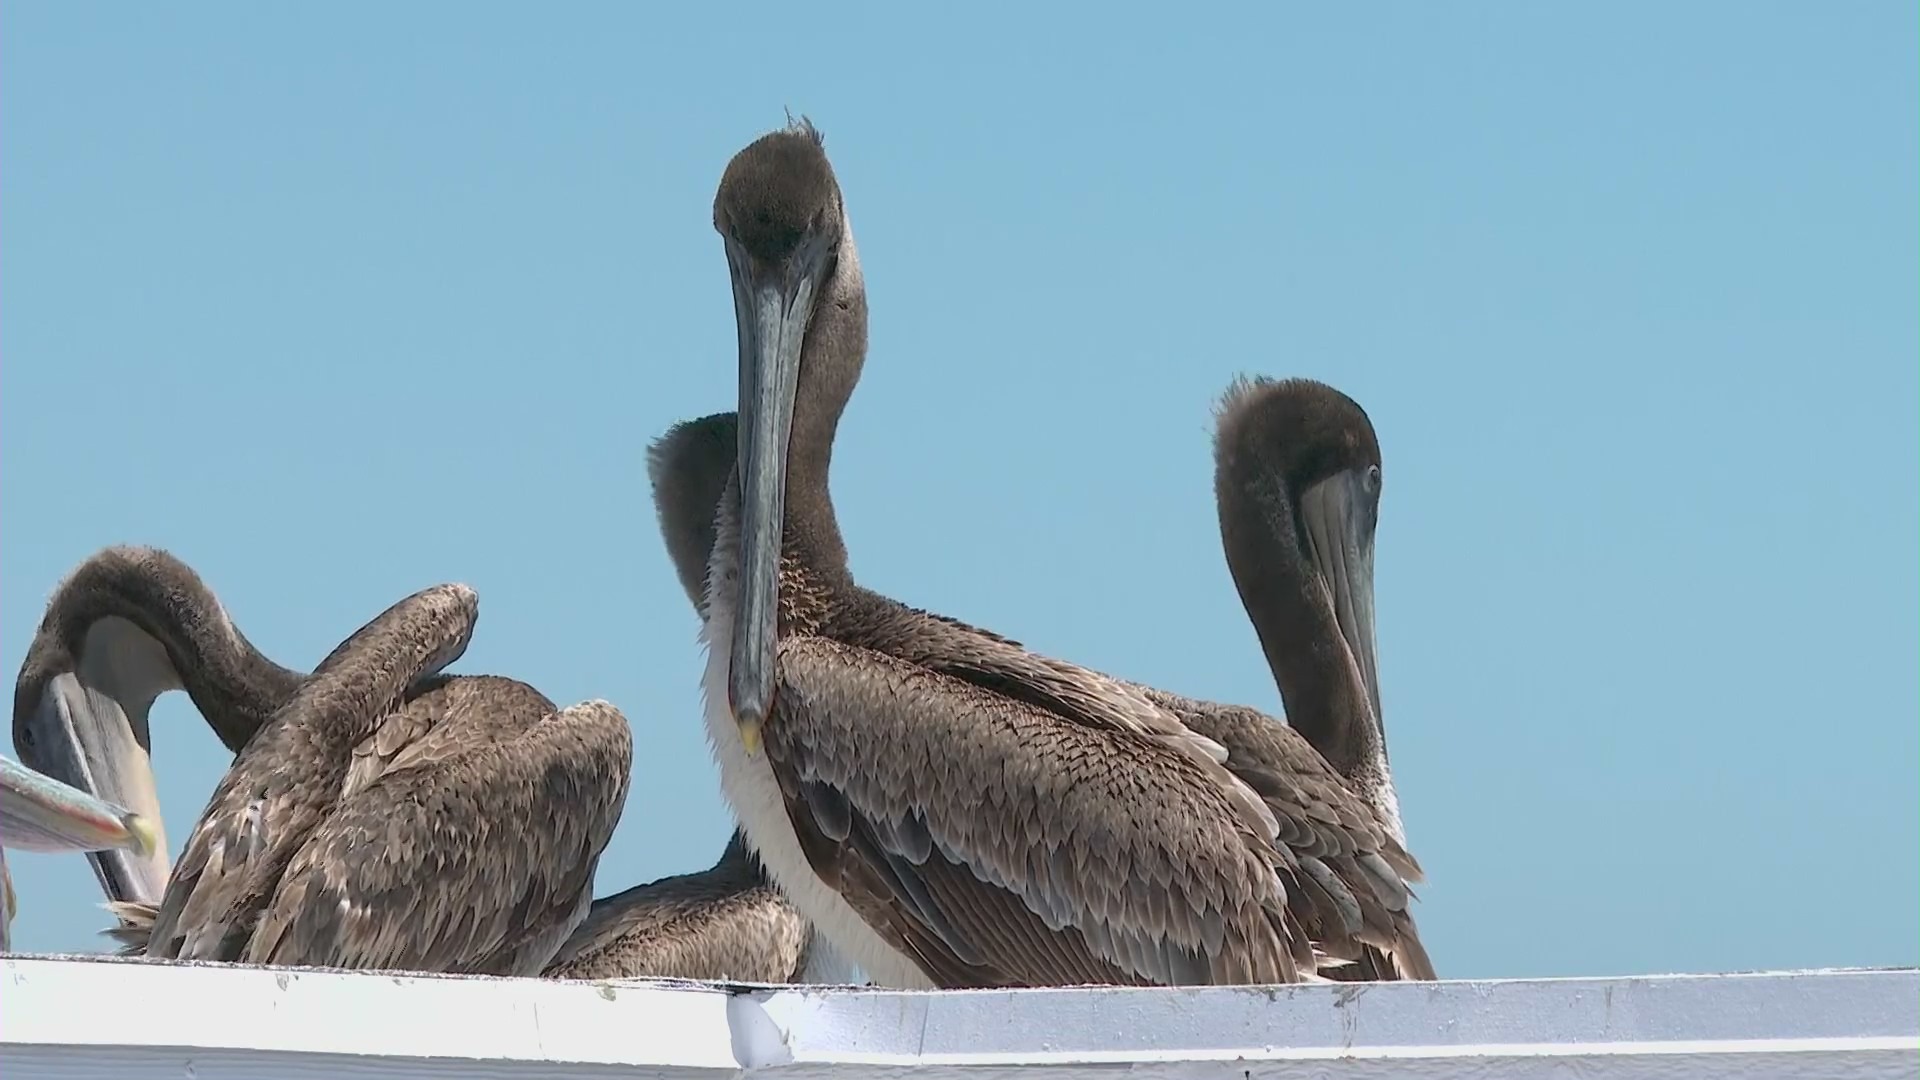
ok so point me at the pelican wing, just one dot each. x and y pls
(416, 730)
(710, 925)
(1005, 844)
(1004, 667)
(287, 778)
(473, 851)
(1353, 880)
(1347, 879)
(261, 810)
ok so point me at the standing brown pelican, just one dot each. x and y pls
(39, 813)
(1275, 441)
(728, 922)
(129, 624)
(948, 807)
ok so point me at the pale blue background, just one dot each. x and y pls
(337, 302)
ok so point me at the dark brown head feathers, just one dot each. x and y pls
(778, 190)
(1300, 429)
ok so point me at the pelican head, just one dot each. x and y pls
(780, 216)
(1297, 477)
(81, 702)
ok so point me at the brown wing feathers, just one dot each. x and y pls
(390, 817)
(1351, 888)
(1049, 841)
(1343, 877)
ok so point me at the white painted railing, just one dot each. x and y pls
(82, 1018)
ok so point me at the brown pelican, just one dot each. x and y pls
(1271, 435)
(728, 922)
(127, 625)
(486, 809)
(132, 622)
(725, 923)
(39, 813)
(1297, 487)
(946, 806)
(390, 817)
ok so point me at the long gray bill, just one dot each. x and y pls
(39, 813)
(83, 739)
(772, 308)
(1340, 513)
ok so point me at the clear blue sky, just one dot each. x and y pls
(336, 303)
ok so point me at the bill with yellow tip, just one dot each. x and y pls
(39, 813)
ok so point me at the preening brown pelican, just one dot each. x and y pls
(728, 922)
(379, 814)
(948, 807)
(390, 817)
(127, 625)
(39, 813)
(130, 623)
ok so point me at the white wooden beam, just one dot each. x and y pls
(99, 1018)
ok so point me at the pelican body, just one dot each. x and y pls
(947, 807)
(379, 814)
(726, 923)
(390, 817)
(131, 623)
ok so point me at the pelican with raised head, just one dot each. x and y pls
(1297, 482)
(946, 806)
(1297, 485)
(380, 815)
(1276, 441)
